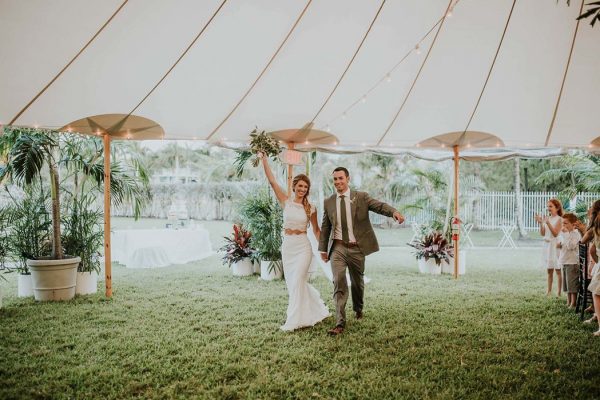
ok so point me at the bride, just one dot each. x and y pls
(305, 307)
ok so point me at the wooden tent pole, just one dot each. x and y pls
(107, 257)
(290, 172)
(456, 183)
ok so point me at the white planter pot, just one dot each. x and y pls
(244, 267)
(462, 262)
(24, 286)
(429, 266)
(54, 279)
(265, 275)
(87, 283)
(256, 266)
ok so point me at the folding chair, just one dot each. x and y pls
(507, 240)
(584, 297)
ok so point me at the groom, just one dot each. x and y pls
(346, 238)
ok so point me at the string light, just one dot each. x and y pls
(388, 76)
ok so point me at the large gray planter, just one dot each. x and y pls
(54, 279)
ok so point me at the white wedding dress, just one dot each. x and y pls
(305, 307)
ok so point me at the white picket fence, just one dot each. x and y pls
(491, 210)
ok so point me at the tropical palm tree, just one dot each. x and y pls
(27, 151)
(581, 171)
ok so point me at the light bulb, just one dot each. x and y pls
(418, 49)
(364, 99)
(388, 78)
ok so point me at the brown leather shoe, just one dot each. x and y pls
(336, 331)
(359, 315)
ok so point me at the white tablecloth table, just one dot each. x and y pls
(152, 248)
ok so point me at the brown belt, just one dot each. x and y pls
(342, 243)
(294, 232)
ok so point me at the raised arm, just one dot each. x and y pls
(541, 220)
(279, 193)
(589, 235)
(554, 229)
(384, 209)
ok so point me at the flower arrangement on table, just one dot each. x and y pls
(237, 247)
(433, 245)
(260, 142)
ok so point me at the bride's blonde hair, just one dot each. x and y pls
(305, 203)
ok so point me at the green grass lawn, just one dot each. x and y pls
(196, 331)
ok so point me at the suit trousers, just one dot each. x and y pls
(353, 259)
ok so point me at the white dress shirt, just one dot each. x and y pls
(569, 253)
(337, 234)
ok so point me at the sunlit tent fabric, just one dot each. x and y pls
(145, 38)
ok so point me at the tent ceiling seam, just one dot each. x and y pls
(564, 79)
(262, 72)
(418, 74)
(12, 121)
(383, 78)
(460, 139)
(180, 58)
(349, 63)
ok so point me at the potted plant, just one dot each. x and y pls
(5, 221)
(28, 231)
(237, 252)
(83, 235)
(432, 251)
(28, 152)
(54, 277)
(262, 216)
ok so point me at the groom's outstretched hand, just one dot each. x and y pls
(324, 256)
(398, 217)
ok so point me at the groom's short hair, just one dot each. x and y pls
(341, 169)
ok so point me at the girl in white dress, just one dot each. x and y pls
(593, 235)
(550, 228)
(305, 307)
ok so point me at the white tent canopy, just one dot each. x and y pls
(146, 37)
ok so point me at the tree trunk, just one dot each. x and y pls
(477, 199)
(57, 251)
(519, 200)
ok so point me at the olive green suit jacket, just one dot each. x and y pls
(360, 205)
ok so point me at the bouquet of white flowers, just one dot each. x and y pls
(260, 142)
